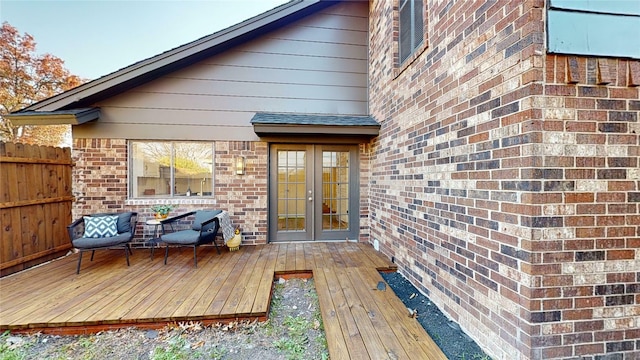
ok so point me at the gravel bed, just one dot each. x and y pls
(446, 333)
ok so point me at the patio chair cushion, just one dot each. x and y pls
(90, 243)
(202, 216)
(100, 226)
(183, 237)
(124, 220)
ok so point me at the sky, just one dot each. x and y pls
(98, 37)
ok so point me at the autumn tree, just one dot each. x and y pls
(26, 78)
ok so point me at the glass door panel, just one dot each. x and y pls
(291, 208)
(313, 192)
(335, 190)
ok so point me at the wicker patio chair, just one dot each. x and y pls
(202, 229)
(103, 231)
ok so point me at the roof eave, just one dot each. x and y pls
(54, 117)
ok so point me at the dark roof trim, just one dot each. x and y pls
(154, 67)
(270, 124)
(60, 117)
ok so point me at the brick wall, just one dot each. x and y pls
(100, 184)
(99, 175)
(366, 153)
(587, 279)
(504, 182)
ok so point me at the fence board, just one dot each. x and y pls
(35, 204)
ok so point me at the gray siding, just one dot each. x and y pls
(600, 28)
(317, 65)
(624, 7)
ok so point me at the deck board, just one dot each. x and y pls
(229, 283)
(252, 284)
(366, 327)
(242, 283)
(346, 322)
(263, 294)
(335, 338)
(203, 288)
(360, 322)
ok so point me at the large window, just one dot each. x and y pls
(411, 27)
(171, 169)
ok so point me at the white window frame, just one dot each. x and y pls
(131, 183)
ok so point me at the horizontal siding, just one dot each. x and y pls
(258, 59)
(302, 48)
(164, 132)
(232, 88)
(166, 116)
(248, 76)
(317, 65)
(230, 103)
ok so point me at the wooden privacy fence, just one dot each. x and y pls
(35, 204)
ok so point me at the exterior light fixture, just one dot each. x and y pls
(240, 165)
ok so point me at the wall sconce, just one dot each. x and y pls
(240, 165)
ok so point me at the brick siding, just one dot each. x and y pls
(100, 184)
(505, 181)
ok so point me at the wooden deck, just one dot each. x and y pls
(360, 321)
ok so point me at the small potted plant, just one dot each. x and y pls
(161, 211)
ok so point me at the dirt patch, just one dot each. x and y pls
(294, 331)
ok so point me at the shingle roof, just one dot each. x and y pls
(305, 119)
(313, 124)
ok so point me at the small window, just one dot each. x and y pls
(161, 169)
(411, 27)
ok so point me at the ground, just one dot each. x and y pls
(294, 331)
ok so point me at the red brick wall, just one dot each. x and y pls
(100, 184)
(588, 275)
(507, 195)
(99, 175)
(365, 153)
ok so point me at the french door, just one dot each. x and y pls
(313, 192)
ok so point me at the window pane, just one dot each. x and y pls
(193, 168)
(163, 169)
(418, 24)
(150, 169)
(411, 23)
(405, 30)
(291, 190)
(335, 190)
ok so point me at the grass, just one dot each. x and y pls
(293, 339)
(319, 325)
(276, 299)
(7, 352)
(218, 353)
(87, 345)
(295, 342)
(177, 349)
